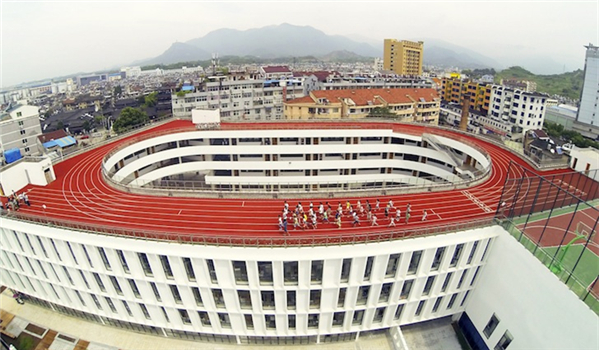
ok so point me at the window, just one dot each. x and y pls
(451, 301)
(184, 316)
(94, 298)
(405, 290)
(167, 319)
(464, 274)
(219, 299)
(446, 282)
(265, 272)
(42, 246)
(268, 299)
(155, 290)
(316, 271)
(245, 299)
(240, 271)
(189, 269)
(414, 262)
(358, 316)
(72, 253)
(392, 265)
(291, 302)
(225, 322)
(313, 320)
(80, 297)
(482, 258)
(437, 303)
(176, 295)
(144, 310)
(315, 299)
(419, 308)
(249, 321)
(368, 269)
(127, 308)
(491, 325)
(438, 258)
(110, 304)
(341, 298)
(168, 272)
(474, 277)
(456, 255)
(116, 285)
(338, 318)
(363, 295)
(211, 270)
(134, 289)
(66, 272)
(385, 292)
(82, 277)
(505, 341)
(398, 311)
(464, 299)
(104, 258)
(204, 318)
(428, 285)
(345, 268)
(99, 282)
(378, 314)
(197, 296)
(123, 260)
(290, 272)
(271, 322)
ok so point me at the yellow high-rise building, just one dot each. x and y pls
(403, 57)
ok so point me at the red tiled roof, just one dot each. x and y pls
(276, 69)
(392, 96)
(54, 135)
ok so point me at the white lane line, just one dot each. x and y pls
(477, 201)
(180, 212)
(243, 204)
(439, 216)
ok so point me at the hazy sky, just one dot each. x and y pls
(45, 39)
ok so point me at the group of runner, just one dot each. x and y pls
(309, 217)
(14, 201)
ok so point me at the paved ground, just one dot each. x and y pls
(431, 335)
(110, 338)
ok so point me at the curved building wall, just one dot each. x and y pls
(244, 291)
(292, 156)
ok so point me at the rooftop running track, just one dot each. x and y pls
(80, 194)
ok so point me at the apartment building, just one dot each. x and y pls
(403, 57)
(19, 128)
(243, 96)
(587, 119)
(525, 110)
(454, 90)
(409, 105)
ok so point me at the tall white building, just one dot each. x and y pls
(588, 112)
(525, 110)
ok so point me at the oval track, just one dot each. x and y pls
(80, 194)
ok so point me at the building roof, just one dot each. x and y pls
(305, 99)
(364, 97)
(53, 135)
(276, 69)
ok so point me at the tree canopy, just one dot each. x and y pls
(128, 118)
(380, 112)
(557, 130)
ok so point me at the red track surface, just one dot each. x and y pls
(80, 194)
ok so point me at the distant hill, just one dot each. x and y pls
(566, 84)
(286, 40)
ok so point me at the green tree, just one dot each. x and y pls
(151, 100)
(59, 125)
(87, 125)
(128, 118)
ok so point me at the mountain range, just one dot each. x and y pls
(286, 40)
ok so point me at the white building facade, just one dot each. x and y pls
(19, 128)
(522, 109)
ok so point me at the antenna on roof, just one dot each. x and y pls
(214, 63)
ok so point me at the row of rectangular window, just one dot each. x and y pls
(265, 269)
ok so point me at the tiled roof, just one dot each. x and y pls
(276, 69)
(361, 97)
(54, 135)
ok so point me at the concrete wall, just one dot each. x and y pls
(531, 303)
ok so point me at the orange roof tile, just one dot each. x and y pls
(305, 99)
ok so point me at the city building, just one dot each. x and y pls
(339, 82)
(587, 118)
(525, 110)
(403, 57)
(19, 128)
(524, 85)
(220, 269)
(562, 114)
(408, 105)
(243, 96)
(454, 90)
